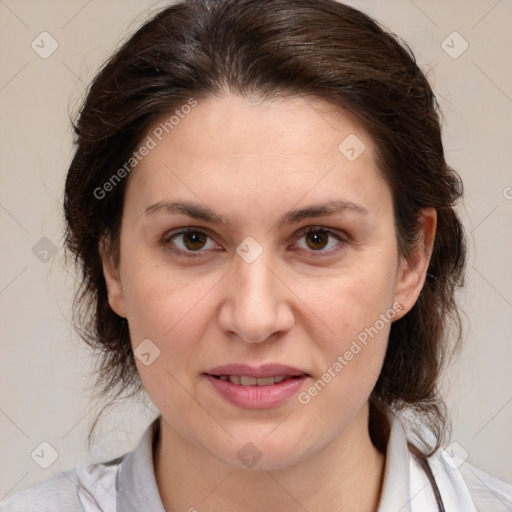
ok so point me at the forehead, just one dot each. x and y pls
(290, 126)
(280, 150)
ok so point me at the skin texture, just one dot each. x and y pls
(302, 302)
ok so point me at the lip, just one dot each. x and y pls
(257, 397)
(266, 370)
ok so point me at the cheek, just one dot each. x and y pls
(352, 300)
(157, 299)
(359, 313)
(172, 310)
(173, 318)
(360, 323)
(357, 309)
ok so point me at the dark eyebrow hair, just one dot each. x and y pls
(201, 212)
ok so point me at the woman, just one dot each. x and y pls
(264, 219)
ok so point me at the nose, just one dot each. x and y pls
(257, 302)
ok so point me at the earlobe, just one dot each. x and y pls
(412, 271)
(112, 280)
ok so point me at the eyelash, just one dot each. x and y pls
(167, 239)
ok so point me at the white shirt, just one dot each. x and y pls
(128, 484)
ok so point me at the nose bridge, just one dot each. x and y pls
(254, 282)
(256, 307)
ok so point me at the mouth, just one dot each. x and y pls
(245, 380)
(260, 387)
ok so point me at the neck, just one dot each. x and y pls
(346, 474)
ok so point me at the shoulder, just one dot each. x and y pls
(86, 488)
(59, 492)
(485, 490)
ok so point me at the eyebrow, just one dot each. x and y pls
(201, 212)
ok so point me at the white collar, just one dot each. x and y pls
(406, 487)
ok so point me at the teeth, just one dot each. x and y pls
(267, 381)
(243, 380)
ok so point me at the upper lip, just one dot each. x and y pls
(265, 370)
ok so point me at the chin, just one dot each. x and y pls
(260, 453)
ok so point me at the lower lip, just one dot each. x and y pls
(256, 397)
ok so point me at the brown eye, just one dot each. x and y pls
(188, 241)
(194, 240)
(320, 241)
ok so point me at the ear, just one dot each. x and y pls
(412, 272)
(112, 279)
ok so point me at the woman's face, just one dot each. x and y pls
(248, 285)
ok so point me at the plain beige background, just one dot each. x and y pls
(44, 367)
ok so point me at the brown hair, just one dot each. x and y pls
(323, 49)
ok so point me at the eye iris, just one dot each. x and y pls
(195, 238)
(318, 237)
